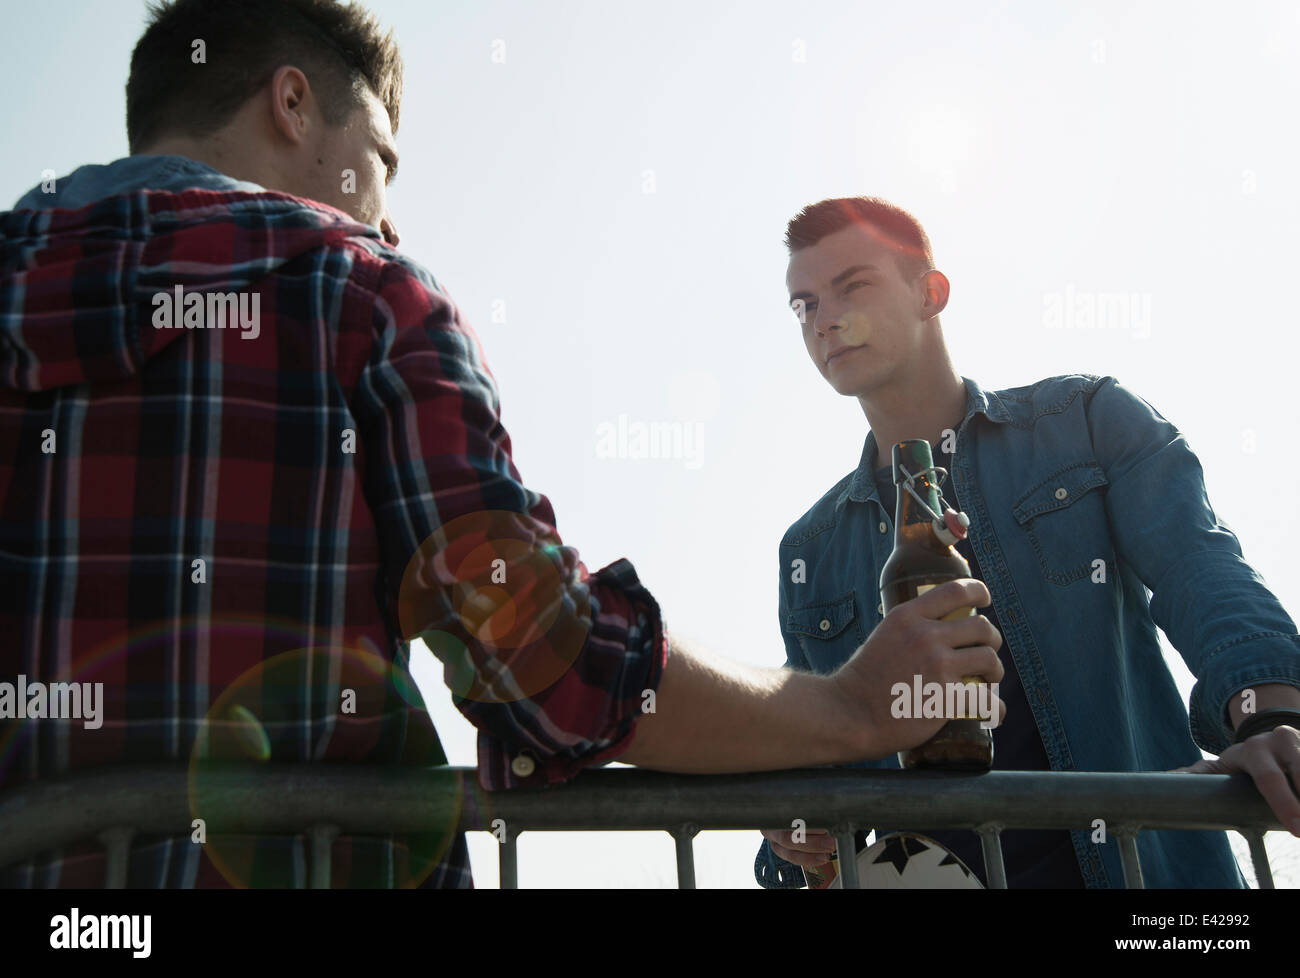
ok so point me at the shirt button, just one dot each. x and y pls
(883, 528)
(523, 765)
(824, 624)
(1061, 493)
(881, 607)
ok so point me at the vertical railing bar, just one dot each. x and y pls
(683, 836)
(322, 850)
(508, 865)
(995, 870)
(1128, 858)
(1259, 856)
(846, 856)
(117, 855)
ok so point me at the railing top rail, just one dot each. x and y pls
(285, 799)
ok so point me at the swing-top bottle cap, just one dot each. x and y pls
(946, 535)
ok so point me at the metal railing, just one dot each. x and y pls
(324, 801)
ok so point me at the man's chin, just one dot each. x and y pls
(852, 386)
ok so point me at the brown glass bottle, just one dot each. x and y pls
(920, 561)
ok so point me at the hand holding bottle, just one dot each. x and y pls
(914, 641)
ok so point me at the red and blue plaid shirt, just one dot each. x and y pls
(237, 531)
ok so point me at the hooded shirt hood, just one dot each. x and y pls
(84, 259)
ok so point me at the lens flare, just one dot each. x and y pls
(499, 602)
(317, 704)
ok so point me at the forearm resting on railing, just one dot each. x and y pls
(715, 716)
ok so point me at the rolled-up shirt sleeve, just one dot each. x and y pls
(550, 662)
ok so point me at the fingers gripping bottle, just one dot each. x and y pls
(924, 558)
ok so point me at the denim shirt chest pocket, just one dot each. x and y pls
(828, 631)
(1064, 517)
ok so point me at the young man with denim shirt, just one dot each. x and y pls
(1081, 497)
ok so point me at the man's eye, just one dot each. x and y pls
(849, 287)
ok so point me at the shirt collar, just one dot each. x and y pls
(978, 401)
(93, 182)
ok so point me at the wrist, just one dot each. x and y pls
(853, 734)
(1266, 720)
(1265, 696)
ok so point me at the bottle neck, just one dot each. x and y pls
(912, 522)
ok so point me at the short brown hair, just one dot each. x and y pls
(338, 47)
(895, 227)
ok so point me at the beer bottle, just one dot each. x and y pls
(924, 558)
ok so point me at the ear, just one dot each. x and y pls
(291, 97)
(934, 286)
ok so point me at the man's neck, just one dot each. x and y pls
(917, 406)
(210, 152)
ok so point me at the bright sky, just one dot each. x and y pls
(607, 204)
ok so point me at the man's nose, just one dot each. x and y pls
(390, 231)
(827, 324)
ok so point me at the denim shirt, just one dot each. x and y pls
(1063, 479)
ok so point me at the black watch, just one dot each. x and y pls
(1266, 720)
